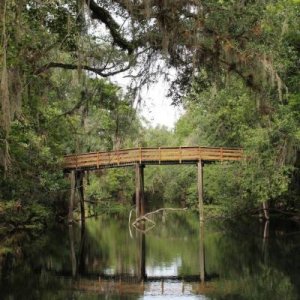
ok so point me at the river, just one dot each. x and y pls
(174, 258)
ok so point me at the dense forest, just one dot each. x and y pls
(237, 66)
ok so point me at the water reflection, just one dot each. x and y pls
(177, 258)
(201, 252)
(166, 270)
(142, 256)
(72, 251)
(265, 241)
(77, 261)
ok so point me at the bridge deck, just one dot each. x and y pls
(154, 156)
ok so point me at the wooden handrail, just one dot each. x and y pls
(161, 155)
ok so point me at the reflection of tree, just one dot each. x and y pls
(77, 261)
(265, 283)
(252, 263)
(26, 269)
(236, 253)
(265, 247)
(110, 244)
(232, 250)
(82, 252)
(72, 251)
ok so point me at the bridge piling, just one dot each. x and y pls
(80, 188)
(72, 196)
(139, 190)
(200, 190)
(76, 180)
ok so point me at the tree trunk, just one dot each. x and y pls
(266, 210)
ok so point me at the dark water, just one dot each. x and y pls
(109, 259)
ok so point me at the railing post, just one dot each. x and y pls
(180, 155)
(140, 155)
(200, 190)
(159, 155)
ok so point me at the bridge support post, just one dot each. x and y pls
(139, 190)
(76, 178)
(79, 186)
(72, 196)
(200, 190)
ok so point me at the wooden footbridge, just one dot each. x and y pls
(149, 156)
(77, 164)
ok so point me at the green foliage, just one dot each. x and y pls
(222, 187)
(66, 120)
(114, 185)
(160, 136)
(235, 62)
(32, 215)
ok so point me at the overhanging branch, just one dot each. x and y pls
(99, 71)
(104, 16)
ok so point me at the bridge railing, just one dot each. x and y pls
(151, 155)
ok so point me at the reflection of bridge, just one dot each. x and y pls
(165, 287)
(138, 273)
(77, 164)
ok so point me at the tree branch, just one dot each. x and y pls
(103, 15)
(98, 71)
(145, 216)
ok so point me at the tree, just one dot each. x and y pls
(237, 37)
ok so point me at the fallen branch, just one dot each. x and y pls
(145, 216)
